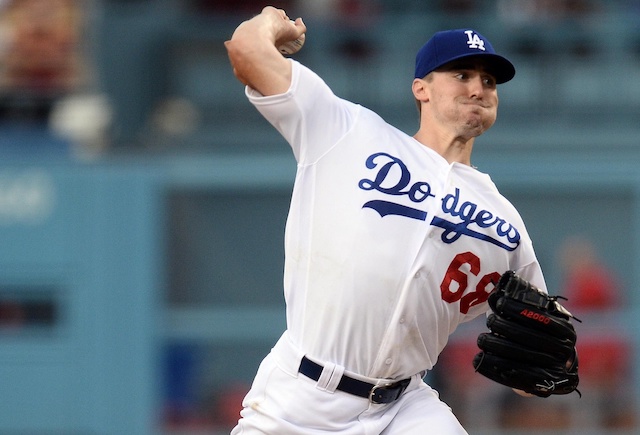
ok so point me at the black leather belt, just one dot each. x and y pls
(375, 393)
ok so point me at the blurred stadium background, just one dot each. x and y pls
(143, 201)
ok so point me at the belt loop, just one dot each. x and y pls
(330, 377)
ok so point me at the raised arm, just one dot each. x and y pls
(252, 50)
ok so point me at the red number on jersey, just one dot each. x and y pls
(456, 275)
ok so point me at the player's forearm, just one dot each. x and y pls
(253, 54)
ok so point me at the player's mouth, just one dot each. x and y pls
(478, 103)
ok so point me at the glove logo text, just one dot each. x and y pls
(535, 316)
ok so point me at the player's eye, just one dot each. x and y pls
(489, 81)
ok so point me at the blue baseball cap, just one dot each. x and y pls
(449, 45)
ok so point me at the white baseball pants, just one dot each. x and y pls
(284, 402)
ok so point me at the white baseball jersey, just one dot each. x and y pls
(388, 246)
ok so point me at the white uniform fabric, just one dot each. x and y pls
(284, 402)
(388, 246)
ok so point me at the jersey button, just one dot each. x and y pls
(388, 361)
(401, 319)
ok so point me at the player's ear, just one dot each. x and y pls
(420, 90)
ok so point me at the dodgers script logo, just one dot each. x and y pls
(461, 218)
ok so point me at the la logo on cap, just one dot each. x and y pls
(474, 40)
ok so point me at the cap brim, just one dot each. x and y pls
(501, 68)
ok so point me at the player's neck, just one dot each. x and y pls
(452, 149)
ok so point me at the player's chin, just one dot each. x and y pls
(488, 123)
(475, 127)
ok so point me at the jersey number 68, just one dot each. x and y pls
(455, 274)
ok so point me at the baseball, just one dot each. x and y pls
(292, 47)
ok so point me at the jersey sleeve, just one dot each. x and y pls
(533, 273)
(310, 117)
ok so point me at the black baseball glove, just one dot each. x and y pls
(531, 346)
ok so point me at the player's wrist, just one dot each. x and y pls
(522, 393)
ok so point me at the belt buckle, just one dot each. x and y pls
(373, 392)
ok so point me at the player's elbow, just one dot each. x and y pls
(240, 62)
(236, 51)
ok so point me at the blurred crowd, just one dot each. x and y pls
(50, 68)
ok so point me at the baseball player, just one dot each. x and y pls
(391, 241)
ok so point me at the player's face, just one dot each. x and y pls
(463, 98)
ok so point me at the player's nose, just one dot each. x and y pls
(476, 87)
